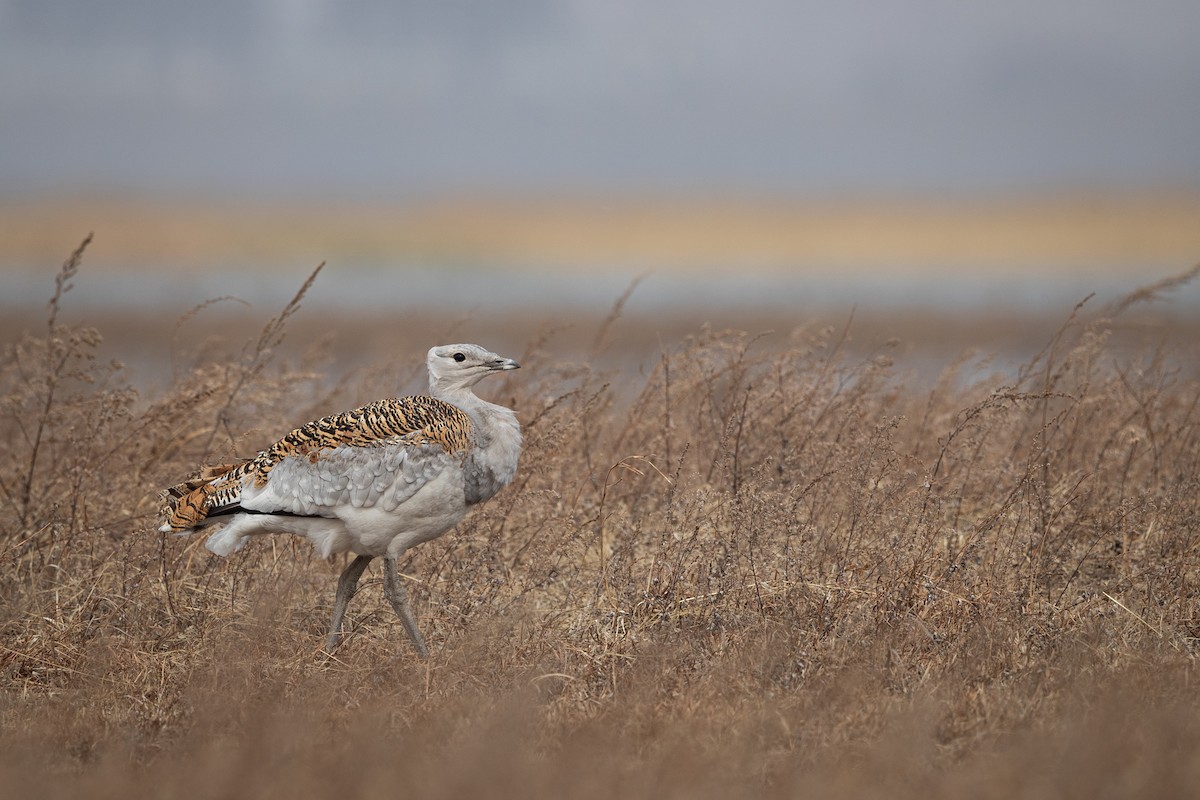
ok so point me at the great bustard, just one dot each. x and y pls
(373, 481)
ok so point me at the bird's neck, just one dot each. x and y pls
(496, 447)
(486, 416)
(460, 396)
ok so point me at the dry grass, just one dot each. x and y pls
(749, 572)
(1020, 235)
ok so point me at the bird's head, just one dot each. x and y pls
(460, 366)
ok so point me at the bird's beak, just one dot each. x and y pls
(502, 364)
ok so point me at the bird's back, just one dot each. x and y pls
(343, 460)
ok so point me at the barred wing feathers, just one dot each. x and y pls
(377, 455)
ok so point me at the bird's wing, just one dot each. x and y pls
(350, 458)
(323, 482)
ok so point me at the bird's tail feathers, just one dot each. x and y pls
(187, 505)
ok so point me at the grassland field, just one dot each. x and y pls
(1083, 233)
(733, 564)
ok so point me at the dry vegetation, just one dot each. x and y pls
(1098, 233)
(748, 573)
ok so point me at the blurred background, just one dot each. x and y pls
(757, 162)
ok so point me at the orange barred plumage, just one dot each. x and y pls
(417, 420)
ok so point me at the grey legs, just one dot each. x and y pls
(347, 583)
(393, 590)
(397, 595)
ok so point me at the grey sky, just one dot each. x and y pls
(394, 98)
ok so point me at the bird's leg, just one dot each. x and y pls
(397, 595)
(347, 583)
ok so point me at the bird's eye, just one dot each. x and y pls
(459, 357)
